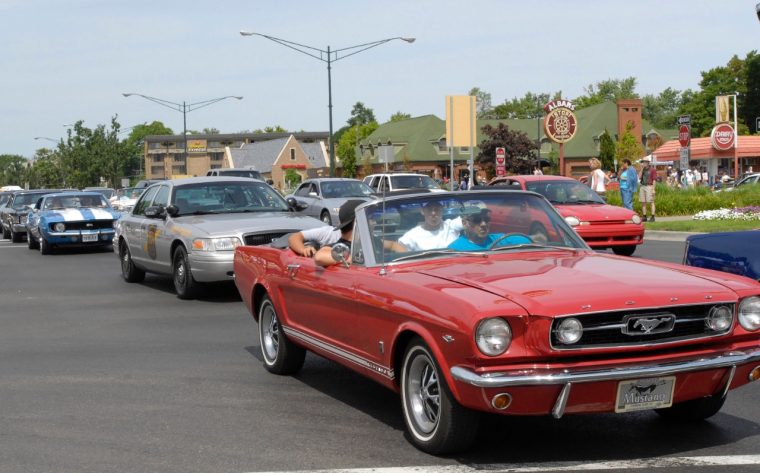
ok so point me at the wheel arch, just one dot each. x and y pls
(175, 244)
(257, 296)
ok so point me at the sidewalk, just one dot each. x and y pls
(661, 235)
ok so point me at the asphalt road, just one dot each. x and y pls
(97, 375)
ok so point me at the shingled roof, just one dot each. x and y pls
(262, 154)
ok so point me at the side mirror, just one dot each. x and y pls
(295, 205)
(172, 210)
(340, 252)
(156, 211)
(313, 194)
(270, 182)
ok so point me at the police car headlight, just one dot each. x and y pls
(636, 219)
(216, 244)
(493, 336)
(570, 331)
(572, 221)
(59, 227)
(749, 313)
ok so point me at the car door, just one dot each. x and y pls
(157, 239)
(133, 229)
(304, 194)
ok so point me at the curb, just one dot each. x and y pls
(660, 235)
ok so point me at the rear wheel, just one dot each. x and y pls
(435, 421)
(694, 410)
(129, 271)
(325, 217)
(281, 356)
(624, 250)
(184, 284)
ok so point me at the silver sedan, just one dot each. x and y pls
(322, 197)
(189, 228)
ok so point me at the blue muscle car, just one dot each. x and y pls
(732, 252)
(70, 219)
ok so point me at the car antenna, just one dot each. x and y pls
(382, 236)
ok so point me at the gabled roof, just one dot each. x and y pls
(262, 154)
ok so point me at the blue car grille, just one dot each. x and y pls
(86, 225)
(607, 329)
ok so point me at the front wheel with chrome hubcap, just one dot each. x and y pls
(281, 356)
(436, 422)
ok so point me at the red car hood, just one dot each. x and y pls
(595, 212)
(554, 283)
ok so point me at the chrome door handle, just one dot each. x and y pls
(293, 269)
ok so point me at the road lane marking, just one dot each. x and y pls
(643, 463)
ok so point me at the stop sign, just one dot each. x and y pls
(684, 135)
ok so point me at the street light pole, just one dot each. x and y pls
(184, 108)
(328, 56)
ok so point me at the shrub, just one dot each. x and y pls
(674, 201)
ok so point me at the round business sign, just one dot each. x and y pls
(723, 137)
(560, 123)
(684, 135)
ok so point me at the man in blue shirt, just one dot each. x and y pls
(476, 237)
(629, 183)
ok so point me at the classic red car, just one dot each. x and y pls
(533, 322)
(600, 224)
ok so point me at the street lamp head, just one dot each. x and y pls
(128, 94)
(408, 40)
(757, 10)
(239, 97)
(247, 33)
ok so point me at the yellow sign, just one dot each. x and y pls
(722, 107)
(460, 120)
(196, 146)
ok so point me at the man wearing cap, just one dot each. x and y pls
(434, 232)
(646, 191)
(326, 235)
(476, 236)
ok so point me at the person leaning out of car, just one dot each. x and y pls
(646, 191)
(308, 242)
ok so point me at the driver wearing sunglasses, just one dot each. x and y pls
(476, 234)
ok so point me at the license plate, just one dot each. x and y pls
(642, 394)
(89, 237)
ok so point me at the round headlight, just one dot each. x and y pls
(636, 219)
(572, 221)
(570, 331)
(749, 313)
(493, 336)
(59, 227)
(719, 319)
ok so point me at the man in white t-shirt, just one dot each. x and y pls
(433, 232)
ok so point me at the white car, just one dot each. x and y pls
(390, 182)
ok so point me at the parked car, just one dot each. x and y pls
(70, 219)
(390, 182)
(107, 192)
(533, 325)
(322, 197)
(14, 213)
(732, 252)
(235, 172)
(4, 199)
(147, 183)
(126, 198)
(189, 228)
(601, 225)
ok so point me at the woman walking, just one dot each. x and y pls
(597, 179)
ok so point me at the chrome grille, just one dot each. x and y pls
(86, 225)
(611, 329)
(257, 239)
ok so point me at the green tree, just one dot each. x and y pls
(12, 168)
(271, 129)
(607, 150)
(750, 109)
(46, 170)
(627, 146)
(661, 110)
(531, 105)
(211, 131)
(398, 116)
(520, 149)
(609, 90)
(346, 148)
(483, 106)
(361, 115)
(292, 178)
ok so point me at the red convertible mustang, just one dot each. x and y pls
(600, 224)
(515, 316)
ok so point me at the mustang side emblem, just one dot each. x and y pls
(648, 324)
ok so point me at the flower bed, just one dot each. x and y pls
(741, 213)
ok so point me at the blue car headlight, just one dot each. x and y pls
(59, 227)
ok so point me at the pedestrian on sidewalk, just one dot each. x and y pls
(597, 179)
(629, 183)
(647, 189)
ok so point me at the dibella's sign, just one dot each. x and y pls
(723, 137)
(560, 123)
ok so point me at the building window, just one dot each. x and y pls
(216, 156)
(464, 149)
(292, 154)
(442, 145)
(158, 159)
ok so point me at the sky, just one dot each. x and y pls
(69, 60)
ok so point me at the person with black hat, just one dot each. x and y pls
(325, 236)
(346, 215)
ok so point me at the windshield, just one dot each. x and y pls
(345, 189)
(476, 223)
(75, 201)
(227, 197)
(565, 192)
(22, 200)
(420, 181)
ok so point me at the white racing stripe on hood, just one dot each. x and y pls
(71, 215)
(78, 215)
(101, 214)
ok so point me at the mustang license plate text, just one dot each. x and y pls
(641, 394)
(90, 237)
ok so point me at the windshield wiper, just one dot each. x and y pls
(199, 212)
(534, 245)
(445, 251)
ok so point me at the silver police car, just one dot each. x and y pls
(189, 228)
